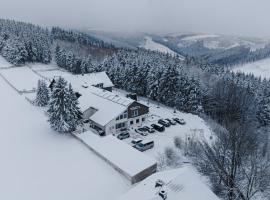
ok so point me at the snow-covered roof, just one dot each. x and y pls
(78, 80)
(184, 183)
(108, 104)
(120, 154)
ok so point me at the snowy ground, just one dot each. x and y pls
(154, 46)
(22, 78)
(184, 183)
(258, 68)
(37, 163)
(4, 63)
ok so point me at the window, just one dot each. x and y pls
(121, 116)
(125, 114)
(117, 118)
(120, 125)
(134, 113)
(137, 121)
(131, 122)
(143, 119)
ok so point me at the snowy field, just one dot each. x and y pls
(22, 78)
(37, 163)
(4, 63)
(258, 68)
(154, 46)
(184, 183)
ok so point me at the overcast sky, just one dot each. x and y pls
(237, 17)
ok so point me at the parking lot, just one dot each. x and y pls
(194, 127)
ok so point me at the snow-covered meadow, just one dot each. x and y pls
(259, 68)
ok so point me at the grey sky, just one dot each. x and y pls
(238, 17)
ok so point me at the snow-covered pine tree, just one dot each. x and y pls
(63, 113)
(14, 51)
(42, 95)
(263, 114)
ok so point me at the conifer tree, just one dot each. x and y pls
(42, 96)
(63, 108)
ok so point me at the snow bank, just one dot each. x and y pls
(183, 183)
(126, 159)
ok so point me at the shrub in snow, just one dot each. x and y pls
(172, 157)
(64, 113)
(178, 143)
(42, 96)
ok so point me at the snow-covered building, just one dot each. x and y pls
(110, 112)
(131, 163)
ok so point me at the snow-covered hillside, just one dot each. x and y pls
(154, 46)
(37, 163)
(258, 68)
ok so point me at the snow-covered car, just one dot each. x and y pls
(123, 135)
(145, 145)
(179, 121)
(149, 129)
(136, 141)
(170, 121)
(141, 131)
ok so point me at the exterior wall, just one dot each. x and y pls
(135, 124)
(144, 174)
(142, 109)
(111, 126)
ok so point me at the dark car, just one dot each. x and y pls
(171, 121)
(163, 123)
(86, 121)
(101, 133)
(159, 128)
(150, 130)
(123, 135)
(179, 121)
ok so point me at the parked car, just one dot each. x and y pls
(123, 135)
(145, 145)
(179, 121)
(141, 131)
(171, 121)
(101, 132)
(149, 130)
(86, 121)
(159, 128)
(136, 141)
(163, 123)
